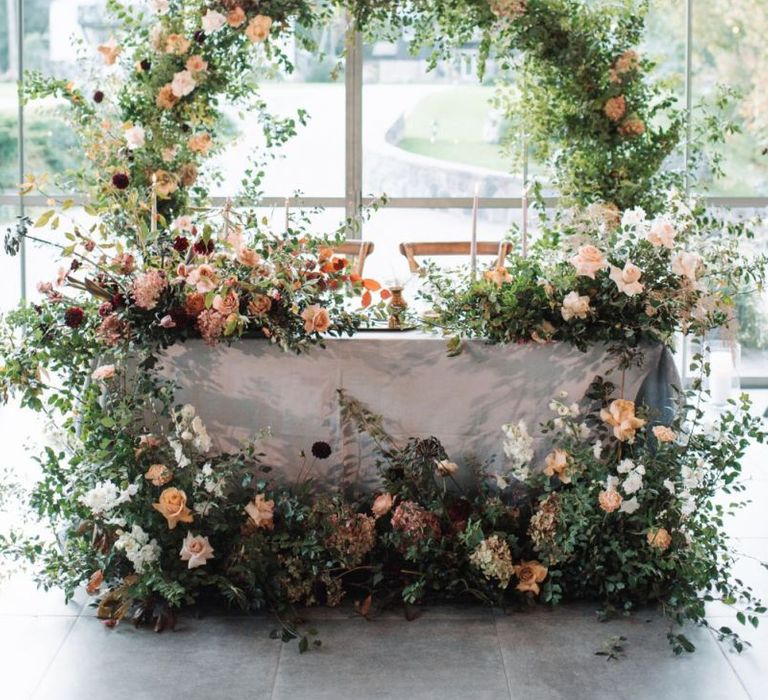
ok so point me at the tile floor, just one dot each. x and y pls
(52, 651)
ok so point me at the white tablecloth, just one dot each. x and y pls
(407, 378)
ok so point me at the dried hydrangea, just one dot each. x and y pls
(416, 522)
(544, 522)
(509, 9)
(354, 536)
(494, 558)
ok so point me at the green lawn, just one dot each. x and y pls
(458, 115)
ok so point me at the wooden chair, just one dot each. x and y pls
(359, 250)
(410, 250)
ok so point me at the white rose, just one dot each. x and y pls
(629, 505)
(183, 83)
(213, 21)
(135, 137)
(662, 233)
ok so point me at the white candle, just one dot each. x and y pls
(153, 222)
(473, 247)
(287, 214)
(227, 206)
(720, 376)
(525, 221)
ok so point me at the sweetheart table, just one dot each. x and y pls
(408, 378)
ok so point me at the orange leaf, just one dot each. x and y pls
(385, 294)
(354, 277)
(373, 285)
(366, 299)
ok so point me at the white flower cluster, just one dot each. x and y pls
(191, 431)
(105, 496)
(518, 446)
(566, 415)
(206, 480)
(632, 483)
(139, 549)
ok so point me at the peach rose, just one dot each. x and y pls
(316, 319)
(196, 550)
(203, 278)
(167, 183)
(196, 64)
(659, 538)
(609, 500)
(382, 504)
(621, 415)
(236, 17)
(258, 28)
(664, 434)
(615, 108)
(499, 275)
(158, 474)
(227, 304)
(530, 574)
(172, 505)
(259, 305)
(627, 280)
(261, 512)
(634, 126)
(194, 304)
(686, 265)
(588, 261)
(200, 143)
(177, 44)
(188, 174)
(557, 464)
(662, 233)
(248, 257)
(166, 99)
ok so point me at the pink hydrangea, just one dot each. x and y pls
(148, 287)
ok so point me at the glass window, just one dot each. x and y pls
(729, 49)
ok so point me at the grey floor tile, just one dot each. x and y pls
(28, 645)
(202, 660)
(750, 521)
(751, 666)
(426, 658)
(549, 655)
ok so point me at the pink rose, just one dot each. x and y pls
(196, 550)
(316, 319)
(627, 280)
(662, 233)
(382, 504)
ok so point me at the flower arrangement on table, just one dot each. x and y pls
(601, 276)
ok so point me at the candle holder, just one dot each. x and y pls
(396, 308)
(724, 382)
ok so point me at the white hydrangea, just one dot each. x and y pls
(138, 548)
(633, 483)
(670, 486)
(190, 428)
(597, 449)
(105, 496)
(611, 483)
(206, 479)
(178, 452)
(625, 466)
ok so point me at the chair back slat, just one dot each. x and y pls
(501, 249)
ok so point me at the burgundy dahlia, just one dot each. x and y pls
(73, 316)
(118, 300)
(199, 36)
(98, 97)
(145, 65)
(105, 309)
(181, 244)
(321, 450)
(203, 247)
(120, 180)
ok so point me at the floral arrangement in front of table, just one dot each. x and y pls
(621, 511)
(604, 276)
